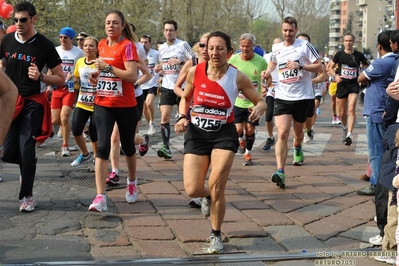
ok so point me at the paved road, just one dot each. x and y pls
(318, 211)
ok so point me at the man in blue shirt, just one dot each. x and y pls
(377, 75)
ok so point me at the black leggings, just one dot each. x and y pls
(80, 117)
(270, 108)
(126, 119)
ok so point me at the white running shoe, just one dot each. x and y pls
(27, 204)
(206, 207)
(152, 130)
(59, 133)
(216, 245)
(376, 240)
(65, 151)
(99, 204)
(131, 191)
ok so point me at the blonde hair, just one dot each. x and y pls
(196, 47)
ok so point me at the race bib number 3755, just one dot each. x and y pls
(208, 119)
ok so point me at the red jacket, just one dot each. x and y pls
(46, 124)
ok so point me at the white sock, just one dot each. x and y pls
(116, 171)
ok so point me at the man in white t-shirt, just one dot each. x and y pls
(174, 53)
(295, 60)
(150, 88)
(270, 95)
(63, 98)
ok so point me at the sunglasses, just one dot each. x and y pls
(80, 39)
(202, 45)
(22, 20)
(63, 37)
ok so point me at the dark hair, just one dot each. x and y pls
(224, 36)
(303, 34)
(171, 21)
(395, 36)
(383, 40)
(25, 6)
(127, 32)
(349, 34)
(147, 36)
(290, 20)
(133, 27)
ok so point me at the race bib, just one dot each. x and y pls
(254, 84)
(109, 85)
(169, 69)
(208, 119)
(348, 72)
(288, 75)
(86, 96)
(271, 91)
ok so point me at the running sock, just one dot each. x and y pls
(116, 171)
(349, 134)
(215, 232)
(247, 151)
(280, 170)
(131, 182)
(250, 141)
(344, 128)
(165, 129)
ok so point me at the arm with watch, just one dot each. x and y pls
(316, 66)
(128, 74)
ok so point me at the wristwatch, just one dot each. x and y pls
(181, 62)
(300, 66)
(180, 117)
(108, 68)
(136, 85)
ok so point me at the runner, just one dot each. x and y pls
(295, 59)
(174, 53)
(32, 117)
(150, 88)
(117, 63)
(81, 38)
(63, 97)
(251, 64)
(212, 138)
(349, 61)
(85, 104)
(271, 93)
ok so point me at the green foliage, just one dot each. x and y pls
(193, 17)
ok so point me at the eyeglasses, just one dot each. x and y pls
(80, 39)
(202, 45)
(22, 20)
(63, 37)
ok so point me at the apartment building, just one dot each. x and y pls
(364, 19)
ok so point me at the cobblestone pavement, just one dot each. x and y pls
(319, 210)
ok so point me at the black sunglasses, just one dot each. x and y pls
(22, 20)
(80, 39)
(202, 45)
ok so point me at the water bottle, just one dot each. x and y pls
(318, 111)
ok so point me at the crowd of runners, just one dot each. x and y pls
(221, 94)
